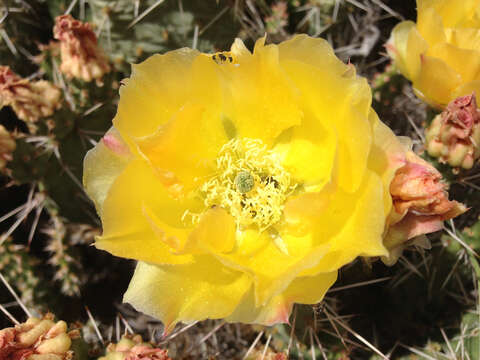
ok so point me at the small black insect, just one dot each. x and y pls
(222, 58)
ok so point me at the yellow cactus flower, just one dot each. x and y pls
(440, 53)
(242, 181)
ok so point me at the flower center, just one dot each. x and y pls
(250, 183)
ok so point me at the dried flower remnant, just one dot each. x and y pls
(420, 205)
(81, 55)
(30, 100)
(454, 135)
(133, 348)
(37, 339)
(7, 146)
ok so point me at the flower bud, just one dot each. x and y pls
(7, 146)
(420, 205)
(81, 56)
(31, 100)
(133, 348)
(37, 339)
(454, 135)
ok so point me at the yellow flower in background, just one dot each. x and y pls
(440, 53)
(242, 181)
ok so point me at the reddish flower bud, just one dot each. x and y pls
(454, 135)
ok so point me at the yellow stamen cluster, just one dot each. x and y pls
(250, 183)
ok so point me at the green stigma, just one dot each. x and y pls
(244, 182)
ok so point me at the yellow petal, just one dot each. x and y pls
(452, 12)
(356, 138)
(339, 102)
(101, 167)
(416, 46)
(239, 50)
(309, 153)
(259, 98)
(186, 147)
(175, 237)
(437, 81)
(197, 291)
(430, 26)
(301, 212)
(315, 52)
(302, 290)
(157, 88)
(397, 46)
(467, 89)
(142, 244)
(215, 233)
(465, 62)
(354, 225)
(465, 38)
(272, 267)
(127, 232)
(335, 104)
(386, 157)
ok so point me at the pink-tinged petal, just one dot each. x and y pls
(412, 225)
(115, 144)
(103, 164)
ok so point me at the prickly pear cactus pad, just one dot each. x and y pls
(238, 179)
